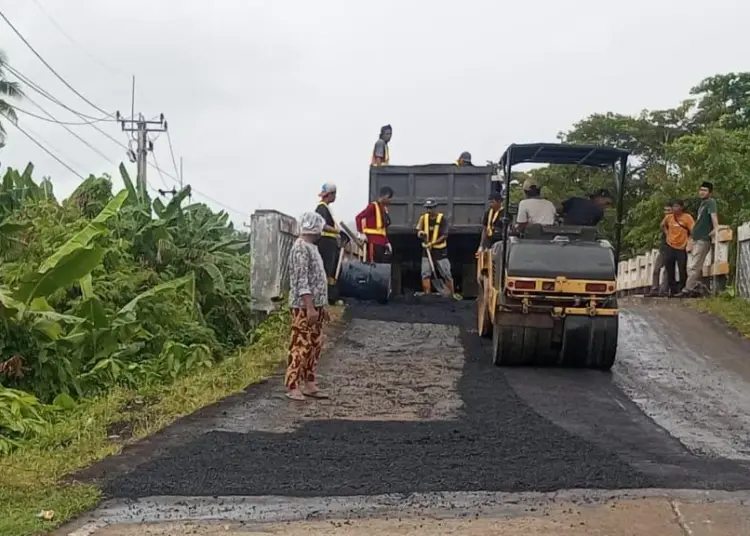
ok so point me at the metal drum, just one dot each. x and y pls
(365, 281)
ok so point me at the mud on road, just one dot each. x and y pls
(417, 407)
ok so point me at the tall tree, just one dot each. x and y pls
(8, 89)
(723, 100)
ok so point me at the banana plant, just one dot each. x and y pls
(104, 341)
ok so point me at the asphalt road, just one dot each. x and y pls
(417, 407)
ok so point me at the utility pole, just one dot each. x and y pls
(142, 127)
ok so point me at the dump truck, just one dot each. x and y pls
(548, 295)
(462, 195)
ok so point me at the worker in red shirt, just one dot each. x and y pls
(373, 223)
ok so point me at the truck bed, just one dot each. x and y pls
(461, 194)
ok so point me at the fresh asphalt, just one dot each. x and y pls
(518, 430)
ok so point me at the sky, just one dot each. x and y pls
(267, 100)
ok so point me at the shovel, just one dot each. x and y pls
(439, 284)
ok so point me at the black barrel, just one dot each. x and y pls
(365, 281)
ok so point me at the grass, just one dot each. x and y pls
(31, 477)
(733, 309)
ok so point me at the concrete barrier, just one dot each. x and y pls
(635, 275)
(272, 234)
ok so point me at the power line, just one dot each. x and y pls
(158, 169)
(174, 160)
(57, 121)
(73, 41)
(86, 143)
(52, 147)
(91, 123)
(20, 36)
(34, 86)
(48, 96)
(43, 148)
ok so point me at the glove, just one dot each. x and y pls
(420, 234)
(426, 245)
(362, 237)
(390, 248)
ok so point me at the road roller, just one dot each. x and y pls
(548, 295)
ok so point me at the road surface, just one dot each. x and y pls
(423, 431)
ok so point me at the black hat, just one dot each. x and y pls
(496, 196)
(465, 156)
(602, 192)
(430, 203)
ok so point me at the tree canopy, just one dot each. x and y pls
(704, 137)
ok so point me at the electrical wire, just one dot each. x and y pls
(39, 56)
(57, 121)
(171, 151)
(91, 122)
(158, 169)
(35, 87)
(74, 42)
(74, 163)
(48, 96)
(71, 131)
(43, 148)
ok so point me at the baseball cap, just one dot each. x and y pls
(327, 188)
(530, 183)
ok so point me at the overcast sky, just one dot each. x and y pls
(266, 100)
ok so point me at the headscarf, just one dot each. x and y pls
(311, 223)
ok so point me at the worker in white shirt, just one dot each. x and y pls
(534, 209)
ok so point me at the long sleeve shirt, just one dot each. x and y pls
(369, 217)
(307, 275)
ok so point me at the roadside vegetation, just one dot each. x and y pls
(117, 315)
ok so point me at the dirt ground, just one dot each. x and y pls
(646, 517)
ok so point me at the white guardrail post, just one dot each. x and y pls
(742, 279)
(634, 275)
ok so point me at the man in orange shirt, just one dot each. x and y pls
(677, 227)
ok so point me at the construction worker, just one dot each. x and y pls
(329, 242)
(373, 224)
(432, 229)
(492, 222)
(464, 160)
(534, 209)
(380, 154)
